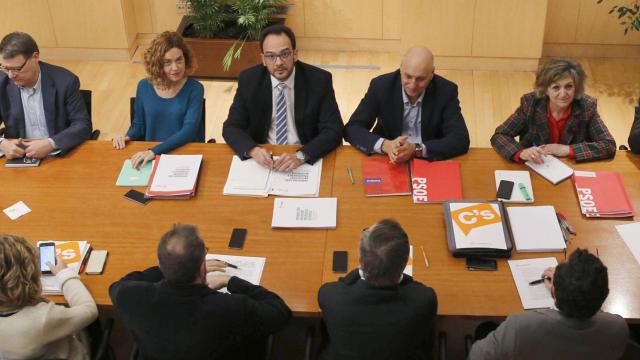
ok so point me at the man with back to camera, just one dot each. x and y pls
(283, 101)
(40, 104)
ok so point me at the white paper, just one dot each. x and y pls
(249, 267)
(16, 210)
(517, 176)
(630, 233)
(71, 257)
(551, 169)
(248, 178)
(176, 173)
(526, 271)
(409, 268)
(490, 235)
(315, 213)
(536, 228)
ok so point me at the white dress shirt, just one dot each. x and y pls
(292, 133)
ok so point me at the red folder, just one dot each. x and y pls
(602, 194)
(435, 181)
(383, 178)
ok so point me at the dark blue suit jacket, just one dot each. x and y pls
(634, 135)
(317, 116)
(444, 132)
(67, 119)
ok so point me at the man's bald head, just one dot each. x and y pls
(416, 70)
(181, 252)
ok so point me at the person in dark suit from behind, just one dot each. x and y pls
(411, 112)
(283, 101)
(376, 311)
(176, 312)
(40, 104)
(634, 135)
(575, 329)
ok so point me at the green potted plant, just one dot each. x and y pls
(223, 34)
(628, 16)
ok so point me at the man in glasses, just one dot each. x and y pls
(40, 104)
(283, 101)
(416, 113)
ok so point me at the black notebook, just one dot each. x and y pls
(22, 162)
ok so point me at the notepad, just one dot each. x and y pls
(535, 229)
(526, 271)
(551, 169)
(519, 178)
(134, 177)
(313, 213)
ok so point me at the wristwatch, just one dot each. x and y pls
(301, 156)
(418, 151)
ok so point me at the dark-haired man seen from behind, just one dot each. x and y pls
(416, 113)
(283, 101)
(40, 104)
(376, 311)
(175, 311)
(577, 329)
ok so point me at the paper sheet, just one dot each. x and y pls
(630, 233)
(16, 210)
(315, 213)
(249, 267)
(525, 271)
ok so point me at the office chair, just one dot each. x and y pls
(203, 117)
(136, 355)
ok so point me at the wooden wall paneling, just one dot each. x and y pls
(446, 27)
(562, 21)
(164, 15)
(509, 28)
(130, 21)
(391, 19)
(89, 24)
(142, 11)
(32, 17)
(295, 17)
(356, 19)
(597, 26)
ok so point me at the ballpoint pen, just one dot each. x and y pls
(228, 264)
(350, 175)
(424, 256)
(540, 281)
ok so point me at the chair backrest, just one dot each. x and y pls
(203, 115)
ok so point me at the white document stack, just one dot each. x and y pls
(535, 229)
(303, 213)
(248, 178)
(73, 253)
(174, 177)
(551, 169)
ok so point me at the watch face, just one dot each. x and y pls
(300, 155)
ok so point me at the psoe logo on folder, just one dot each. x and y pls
(475, 216)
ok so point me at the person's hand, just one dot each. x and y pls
(399, 149)
(535, 154)
(120, 141)
(547, 275)
(286, 162)
(140, 158)
(59, 266)
(218, 281)
(215, 265)
(261, 156)
(558, 150)
(38, 149)
(12, 148)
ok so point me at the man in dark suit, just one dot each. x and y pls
(175, 311)
(283, 101)
(376, 311)
(417, 112)
(634, 134)
(40, 104)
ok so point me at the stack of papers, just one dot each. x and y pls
(551, 169)
(74, 254)
(174, 177)
(134, 177)
(248, 178)
(303, 213)
(526, 271)
(521, 184)
(536, 229)
(249, 268)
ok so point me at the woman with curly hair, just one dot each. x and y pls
(30, 325)
(558, 119)
(168, 103)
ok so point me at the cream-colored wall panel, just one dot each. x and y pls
(391, 19)
(88, 23)
(295, 17)
(597, 26)
(32, 17)
(130, 24)
(509, 28)
(142, 10)
(446, 27)
(356, 19)
(164, 15)
(562, 21)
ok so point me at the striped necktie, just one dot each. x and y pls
(281, 115)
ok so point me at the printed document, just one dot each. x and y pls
(176, 173)
(630, 233)
(249, 267)
(526, 271)
(319, 213)
(551, 169)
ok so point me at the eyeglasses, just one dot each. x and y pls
(285, 55)
(15, 70)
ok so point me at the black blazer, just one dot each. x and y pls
(317, 116)
(193, 321)
(634, 135)
(444, 132)
(67, 119)
(368, 322)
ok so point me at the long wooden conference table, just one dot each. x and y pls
(75, 198)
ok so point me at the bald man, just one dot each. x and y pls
(417, 112)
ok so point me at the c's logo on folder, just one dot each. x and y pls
(70, 251)
(475, 216)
